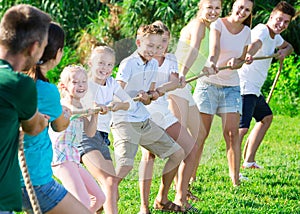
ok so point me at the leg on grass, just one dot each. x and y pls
(104, 172)
(169, 172)
(145, 178)
(230, 122)
(256, 136)
(185, 170)
(203, 131)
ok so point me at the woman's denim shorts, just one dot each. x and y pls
(48, 195)
(215, 99)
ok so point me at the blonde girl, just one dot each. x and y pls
(94, 151)
(192, 52)
(66, 159)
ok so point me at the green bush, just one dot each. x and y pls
(72, 15)
(285, 98)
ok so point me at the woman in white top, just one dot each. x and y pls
(192, 52)
(220, 93)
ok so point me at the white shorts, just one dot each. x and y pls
(184, 93)
(161, 115)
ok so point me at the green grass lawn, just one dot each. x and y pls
(274, 189)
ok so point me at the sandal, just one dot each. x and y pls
(169, 206)
(191, 209)
(191, 196)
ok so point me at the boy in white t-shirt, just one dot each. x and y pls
(137, 74)
(265, 39)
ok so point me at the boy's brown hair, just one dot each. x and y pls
(21, 26)
(286, 8)
(146, 30)
(162, 26)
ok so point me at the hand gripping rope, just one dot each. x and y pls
(220, 68)
(84, 113)
(228, 67)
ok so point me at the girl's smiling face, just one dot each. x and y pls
(241, 10)
(101, 66)
(77, 85)
(211, 10)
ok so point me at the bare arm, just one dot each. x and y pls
(197, 32)
(214, 46)
(122, 83)
(284, 50)
(62, 122)
(37, 123)
(169, 86)
(116, 106)
(90, 126)
(254, 47)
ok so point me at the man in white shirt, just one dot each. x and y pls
(265, 39)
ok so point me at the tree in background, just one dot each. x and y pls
(115, 22)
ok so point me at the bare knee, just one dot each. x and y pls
(178, 156)
(267, 120)
(231, 135)
(100, 199)
(109, 181)
(122, 172)
(243, 131)
(193, 152)
(203, 134)
(147, 156)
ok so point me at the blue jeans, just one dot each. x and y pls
(48, 195)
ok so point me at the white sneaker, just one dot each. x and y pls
(243, 178)
(251, 165)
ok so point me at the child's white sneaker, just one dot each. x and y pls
(243, 178)
(251, 165)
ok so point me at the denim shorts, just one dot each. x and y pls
(215, 99)
(48, 195)
(99, 142)
(255, 107)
